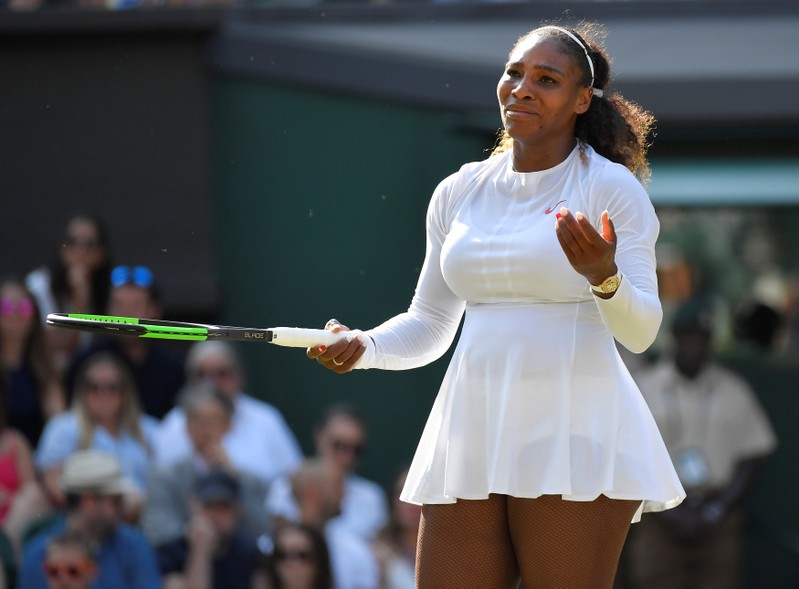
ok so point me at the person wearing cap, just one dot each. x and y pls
(214, 553)
(94, 486)
(717, 435)
(157, 368)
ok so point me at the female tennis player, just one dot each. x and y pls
(539, 451)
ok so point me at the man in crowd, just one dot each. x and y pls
(94, 487)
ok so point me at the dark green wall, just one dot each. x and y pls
(320, 202)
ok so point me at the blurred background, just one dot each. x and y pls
(272, 163)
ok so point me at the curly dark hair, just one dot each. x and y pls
(615, 127)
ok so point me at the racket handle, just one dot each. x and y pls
(297, 337)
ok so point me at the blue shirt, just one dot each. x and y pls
(62, 434)
(126, 560)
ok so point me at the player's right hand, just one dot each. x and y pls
(341, 356)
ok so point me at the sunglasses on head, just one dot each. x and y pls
(22, 307)
(301, 555)
(138, 275)
(67, 570)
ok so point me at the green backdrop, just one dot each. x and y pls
(320, 202)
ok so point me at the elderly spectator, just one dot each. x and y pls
(208, 417)
(259, 440)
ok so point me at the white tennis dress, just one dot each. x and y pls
(536, 399)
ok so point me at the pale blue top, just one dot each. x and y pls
(61, 436)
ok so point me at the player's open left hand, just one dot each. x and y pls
(590, 252)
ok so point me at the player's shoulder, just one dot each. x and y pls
(610, 174)
(458, 182)
(471, 171)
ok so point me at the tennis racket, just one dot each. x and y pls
(294, 337)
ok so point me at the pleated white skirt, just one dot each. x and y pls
(536, 401)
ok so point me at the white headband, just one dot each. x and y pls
(597, 92)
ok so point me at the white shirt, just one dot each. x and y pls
(536, 398)
(715, 417)
(364, 509)
(259, 441)
(352, 561)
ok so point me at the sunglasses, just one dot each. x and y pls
(300, 555)
(22, 307)
(342, 446)
(213, 374)
(68, 571)
(103, 387)
(76, 242)
(138, 275)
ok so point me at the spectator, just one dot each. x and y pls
(717, 435)
(395, 546)
(94, 485)
(298, 559)
(70, 562)
(105, 416)
(158, 369)
(208, 417)
(75, 282)
(259, 440)
(214, 553)
(318, 488)
(34, 393)
(20, 496)
(341, 438)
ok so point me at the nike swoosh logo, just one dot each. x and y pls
(552, 208)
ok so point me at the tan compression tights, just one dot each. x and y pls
(547, 542)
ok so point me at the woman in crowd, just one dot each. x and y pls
(299, 560)
(105, 415)
(33, 393)
(77, 281)
(20, 495)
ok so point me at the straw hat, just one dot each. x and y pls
(92, 471)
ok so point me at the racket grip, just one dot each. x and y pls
(298, 337)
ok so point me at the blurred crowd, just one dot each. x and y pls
(22, 5)
(124, 464)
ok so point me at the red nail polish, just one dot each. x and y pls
(323, 349)
(558, 215)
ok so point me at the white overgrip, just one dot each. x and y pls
(298, 337)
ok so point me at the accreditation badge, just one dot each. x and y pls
(692, 467)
